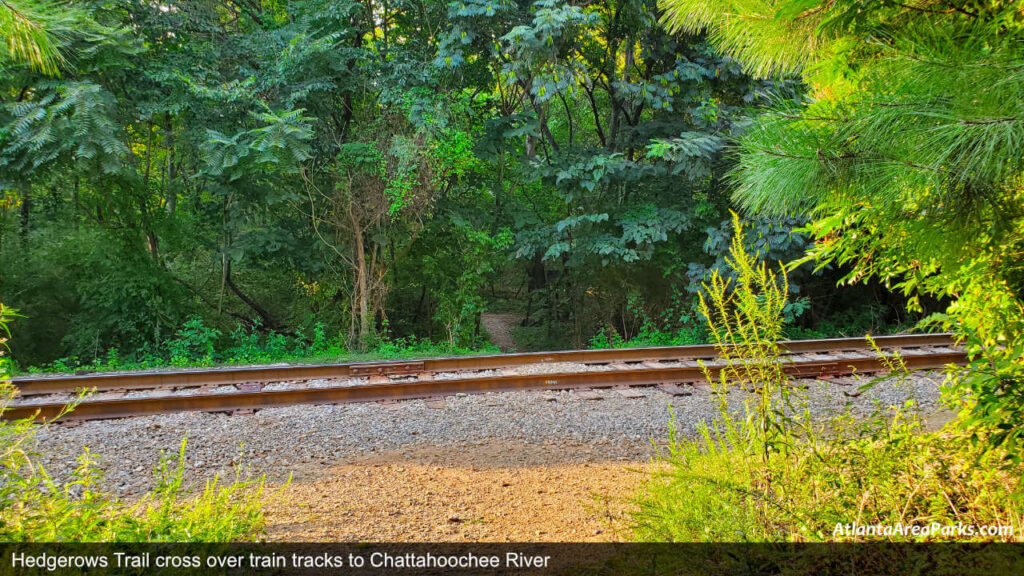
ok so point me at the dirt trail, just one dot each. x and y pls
(499, 327)
(494, 492)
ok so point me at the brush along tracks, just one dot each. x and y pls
(245, 388)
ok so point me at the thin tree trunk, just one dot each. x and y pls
(362, 288)
(170, 192)
(268, 321)
(154, 245)
(26, 210)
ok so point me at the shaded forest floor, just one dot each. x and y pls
(499, 328)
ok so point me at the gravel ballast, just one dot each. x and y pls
(302, 439)
(545, 465)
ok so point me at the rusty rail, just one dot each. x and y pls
(403, 390)
(189, 378)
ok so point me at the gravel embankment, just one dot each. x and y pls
(305, 439)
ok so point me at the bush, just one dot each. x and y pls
(412, 347)
(193, 343)
(197, 344)
(885, 472)
(770, 473)
(677, 325)
(34, 507)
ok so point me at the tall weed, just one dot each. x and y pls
(36, 507)
(771, 472)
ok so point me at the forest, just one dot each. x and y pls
(205, 182)
(237, 180)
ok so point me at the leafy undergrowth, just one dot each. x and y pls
(774, 473)
(197, 345)
(883, 472)
(36, 507)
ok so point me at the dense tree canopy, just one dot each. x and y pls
(374, 169)
(201, 181)
(909, 154)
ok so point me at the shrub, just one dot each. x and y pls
(36, 507)
(245, 346)
(677, 325)
(199, 345)
(884, 472)
(771, 473)
(193, 343)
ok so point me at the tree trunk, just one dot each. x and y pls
(268, 321)
(153, 243)
(170, 193)
(362, 289)
(26, 210)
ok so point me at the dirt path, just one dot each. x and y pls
(499, 327)
(495, 492)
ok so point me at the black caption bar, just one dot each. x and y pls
(515, 559)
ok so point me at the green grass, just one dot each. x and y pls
(882, 471)
(37, 507)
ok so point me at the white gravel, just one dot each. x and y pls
(301, 439)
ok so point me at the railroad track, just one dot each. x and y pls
(243, 388)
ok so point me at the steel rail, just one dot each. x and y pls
(188, 378)
(405, 390)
